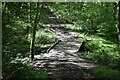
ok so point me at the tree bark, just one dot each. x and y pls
(119, 26)
(30, 14)
(5, 5)
(117, 18)
(32, 51)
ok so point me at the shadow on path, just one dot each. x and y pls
(61, 61)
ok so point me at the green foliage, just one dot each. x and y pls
(106, 29)
(84, 38)
(43, 36)
(91, 18)
(20, 71)
(107, 73)
(101, 50)
(16, 29)
(114, 65)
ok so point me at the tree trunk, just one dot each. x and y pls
(34, 32)
(117, 18)
(119, 26)
(5, 5)
(30, 14)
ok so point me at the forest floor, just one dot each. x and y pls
(61, 61)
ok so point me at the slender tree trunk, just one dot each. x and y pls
(3, 11)
(34, 32)
(30, 14)
(117, 18)
(119, 26)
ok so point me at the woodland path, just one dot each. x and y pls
(61, 61)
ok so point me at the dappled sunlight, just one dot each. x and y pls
(60, 40)
(54, 25)
(61, 61)
(62, 58)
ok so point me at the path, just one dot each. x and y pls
(61, 61)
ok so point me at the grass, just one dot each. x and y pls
(43, 36)
(101, 50)
(107, 73)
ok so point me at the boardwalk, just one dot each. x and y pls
(61, 61)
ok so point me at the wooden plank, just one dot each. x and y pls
(53, 46)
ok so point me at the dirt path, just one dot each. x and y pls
(61, 61)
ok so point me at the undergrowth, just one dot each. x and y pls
(107, 73)
(19, 71)
(101, 50)
(15, 42)
(43, 36)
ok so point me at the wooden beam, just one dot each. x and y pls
(53, 45)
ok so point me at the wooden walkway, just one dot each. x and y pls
(61, 61)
